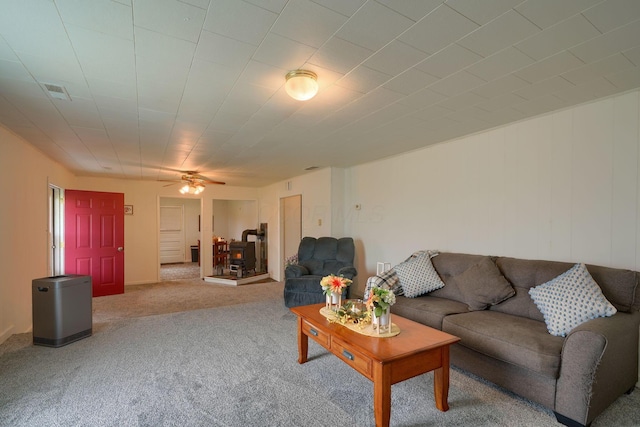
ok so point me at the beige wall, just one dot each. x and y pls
(24, 251)
(24, 220)
(141, 228)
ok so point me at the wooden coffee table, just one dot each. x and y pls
(385, 361)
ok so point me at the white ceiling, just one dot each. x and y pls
(158, 86)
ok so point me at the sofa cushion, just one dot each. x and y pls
(570, 299)
(482, 285)
(524, 274)
(427, 309)
(325, 255)
(513, 339)
(417, 276)
(448, 265)
(619, 286)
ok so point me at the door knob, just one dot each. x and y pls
(120, 249)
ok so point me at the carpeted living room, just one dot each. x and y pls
(227, 356)
(180, 152)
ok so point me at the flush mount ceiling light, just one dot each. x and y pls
(301, 84)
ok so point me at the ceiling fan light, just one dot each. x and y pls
(184, 189)
(301, 84)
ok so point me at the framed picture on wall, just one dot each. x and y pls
(128, 209)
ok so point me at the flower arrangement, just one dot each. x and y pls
(334, 284)
(380, 299)
(354, 312)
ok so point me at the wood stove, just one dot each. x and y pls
(242, 256)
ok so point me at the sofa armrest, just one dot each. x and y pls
(295, 270)
(599, 363)
(347, 272)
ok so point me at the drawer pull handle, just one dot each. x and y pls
(348, 355)
(313, 332)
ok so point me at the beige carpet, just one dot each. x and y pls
(179, 295)
(182, 270)
(162, 298)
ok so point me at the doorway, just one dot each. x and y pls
(290, 226)
(56, 230)
(172, 237)
(179, 236)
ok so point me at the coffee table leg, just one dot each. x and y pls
(303, 343)
(382, 394)
(441, 382)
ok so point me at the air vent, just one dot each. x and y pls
(56, 92)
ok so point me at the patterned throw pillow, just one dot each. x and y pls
(418, 276)
(570, 299)
(387, 280)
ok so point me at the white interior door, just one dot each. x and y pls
(291, 208)
(172, 234)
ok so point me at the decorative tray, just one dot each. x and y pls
(363, 329)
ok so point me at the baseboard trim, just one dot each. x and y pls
(6, 334)
(140, 282)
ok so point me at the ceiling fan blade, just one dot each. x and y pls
(192, 177)
(209, 181)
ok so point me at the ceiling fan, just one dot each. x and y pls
(193, 182)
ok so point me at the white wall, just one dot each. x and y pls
(243, 215)
(315, 188)
(221, 219)
(564, 186)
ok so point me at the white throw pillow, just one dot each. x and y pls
(418, 276)
(570, 299)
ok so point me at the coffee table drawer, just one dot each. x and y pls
(352, 357)
(317, 335)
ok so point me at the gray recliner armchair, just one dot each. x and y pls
(317, 258)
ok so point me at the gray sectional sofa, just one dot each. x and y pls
(507, 343)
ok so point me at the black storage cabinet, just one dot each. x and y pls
(62, 309)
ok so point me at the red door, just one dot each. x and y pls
(94, 239)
